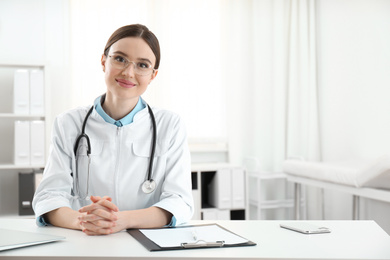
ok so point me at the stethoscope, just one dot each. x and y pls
(149, 185)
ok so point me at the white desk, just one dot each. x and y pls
(348, 240)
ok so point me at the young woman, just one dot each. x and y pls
(119, 164)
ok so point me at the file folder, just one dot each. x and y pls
(22, 143)
(37, 143)
(36, 92)
(197, 204)
(188, 237)
(220, 189)
(26, 193)
(209, 214)
(21, 92)
(223, 214)
(238, 189)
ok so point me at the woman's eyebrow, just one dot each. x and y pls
(139, 59)
(121, 53)
(144, 59)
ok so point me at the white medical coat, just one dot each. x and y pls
(119, 164)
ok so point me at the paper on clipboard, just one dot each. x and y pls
(174, 237)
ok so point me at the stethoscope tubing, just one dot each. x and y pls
(89, 148)
(83, 135)
(153, 144)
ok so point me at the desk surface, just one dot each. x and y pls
(348, 240)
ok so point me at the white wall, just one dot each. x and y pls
(57, 55)
(354, 83)
(22, 25)
(354, 77)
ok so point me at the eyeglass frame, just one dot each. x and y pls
(128, 62)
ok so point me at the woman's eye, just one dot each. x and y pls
(120, 59)
(143, 65)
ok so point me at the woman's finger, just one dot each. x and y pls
(92, 207)
(98, 214)
(103, 203)
(99, 223)
(88, 208)
(91, 229)
(108, 204)
(107, 198)
(97, 198)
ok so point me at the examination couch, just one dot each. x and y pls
(360, 178)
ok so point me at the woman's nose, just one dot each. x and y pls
(129, 70)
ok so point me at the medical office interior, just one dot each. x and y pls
(256, 82)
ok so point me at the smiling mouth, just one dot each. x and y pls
(125, 83)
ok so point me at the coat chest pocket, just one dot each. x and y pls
(144, 148)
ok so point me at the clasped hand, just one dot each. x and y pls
(100, 217)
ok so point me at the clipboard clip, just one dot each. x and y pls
(202, 243)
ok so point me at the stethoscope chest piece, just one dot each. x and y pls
(148, 186)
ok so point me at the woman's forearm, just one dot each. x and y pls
(64, 217)
(152, 217)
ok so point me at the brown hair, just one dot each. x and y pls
(136, 30)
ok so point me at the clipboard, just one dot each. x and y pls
(198, 243)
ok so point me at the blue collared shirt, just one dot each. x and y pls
(128, 119)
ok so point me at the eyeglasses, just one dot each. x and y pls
(140, 68)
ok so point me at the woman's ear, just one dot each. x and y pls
(103, 62)
(154, 75)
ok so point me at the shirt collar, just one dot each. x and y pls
(128, 119)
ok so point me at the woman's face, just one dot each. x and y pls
(125, 83)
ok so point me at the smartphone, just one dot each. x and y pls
(305, 228)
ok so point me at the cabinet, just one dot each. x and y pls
(8, 169)
(219, 192)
